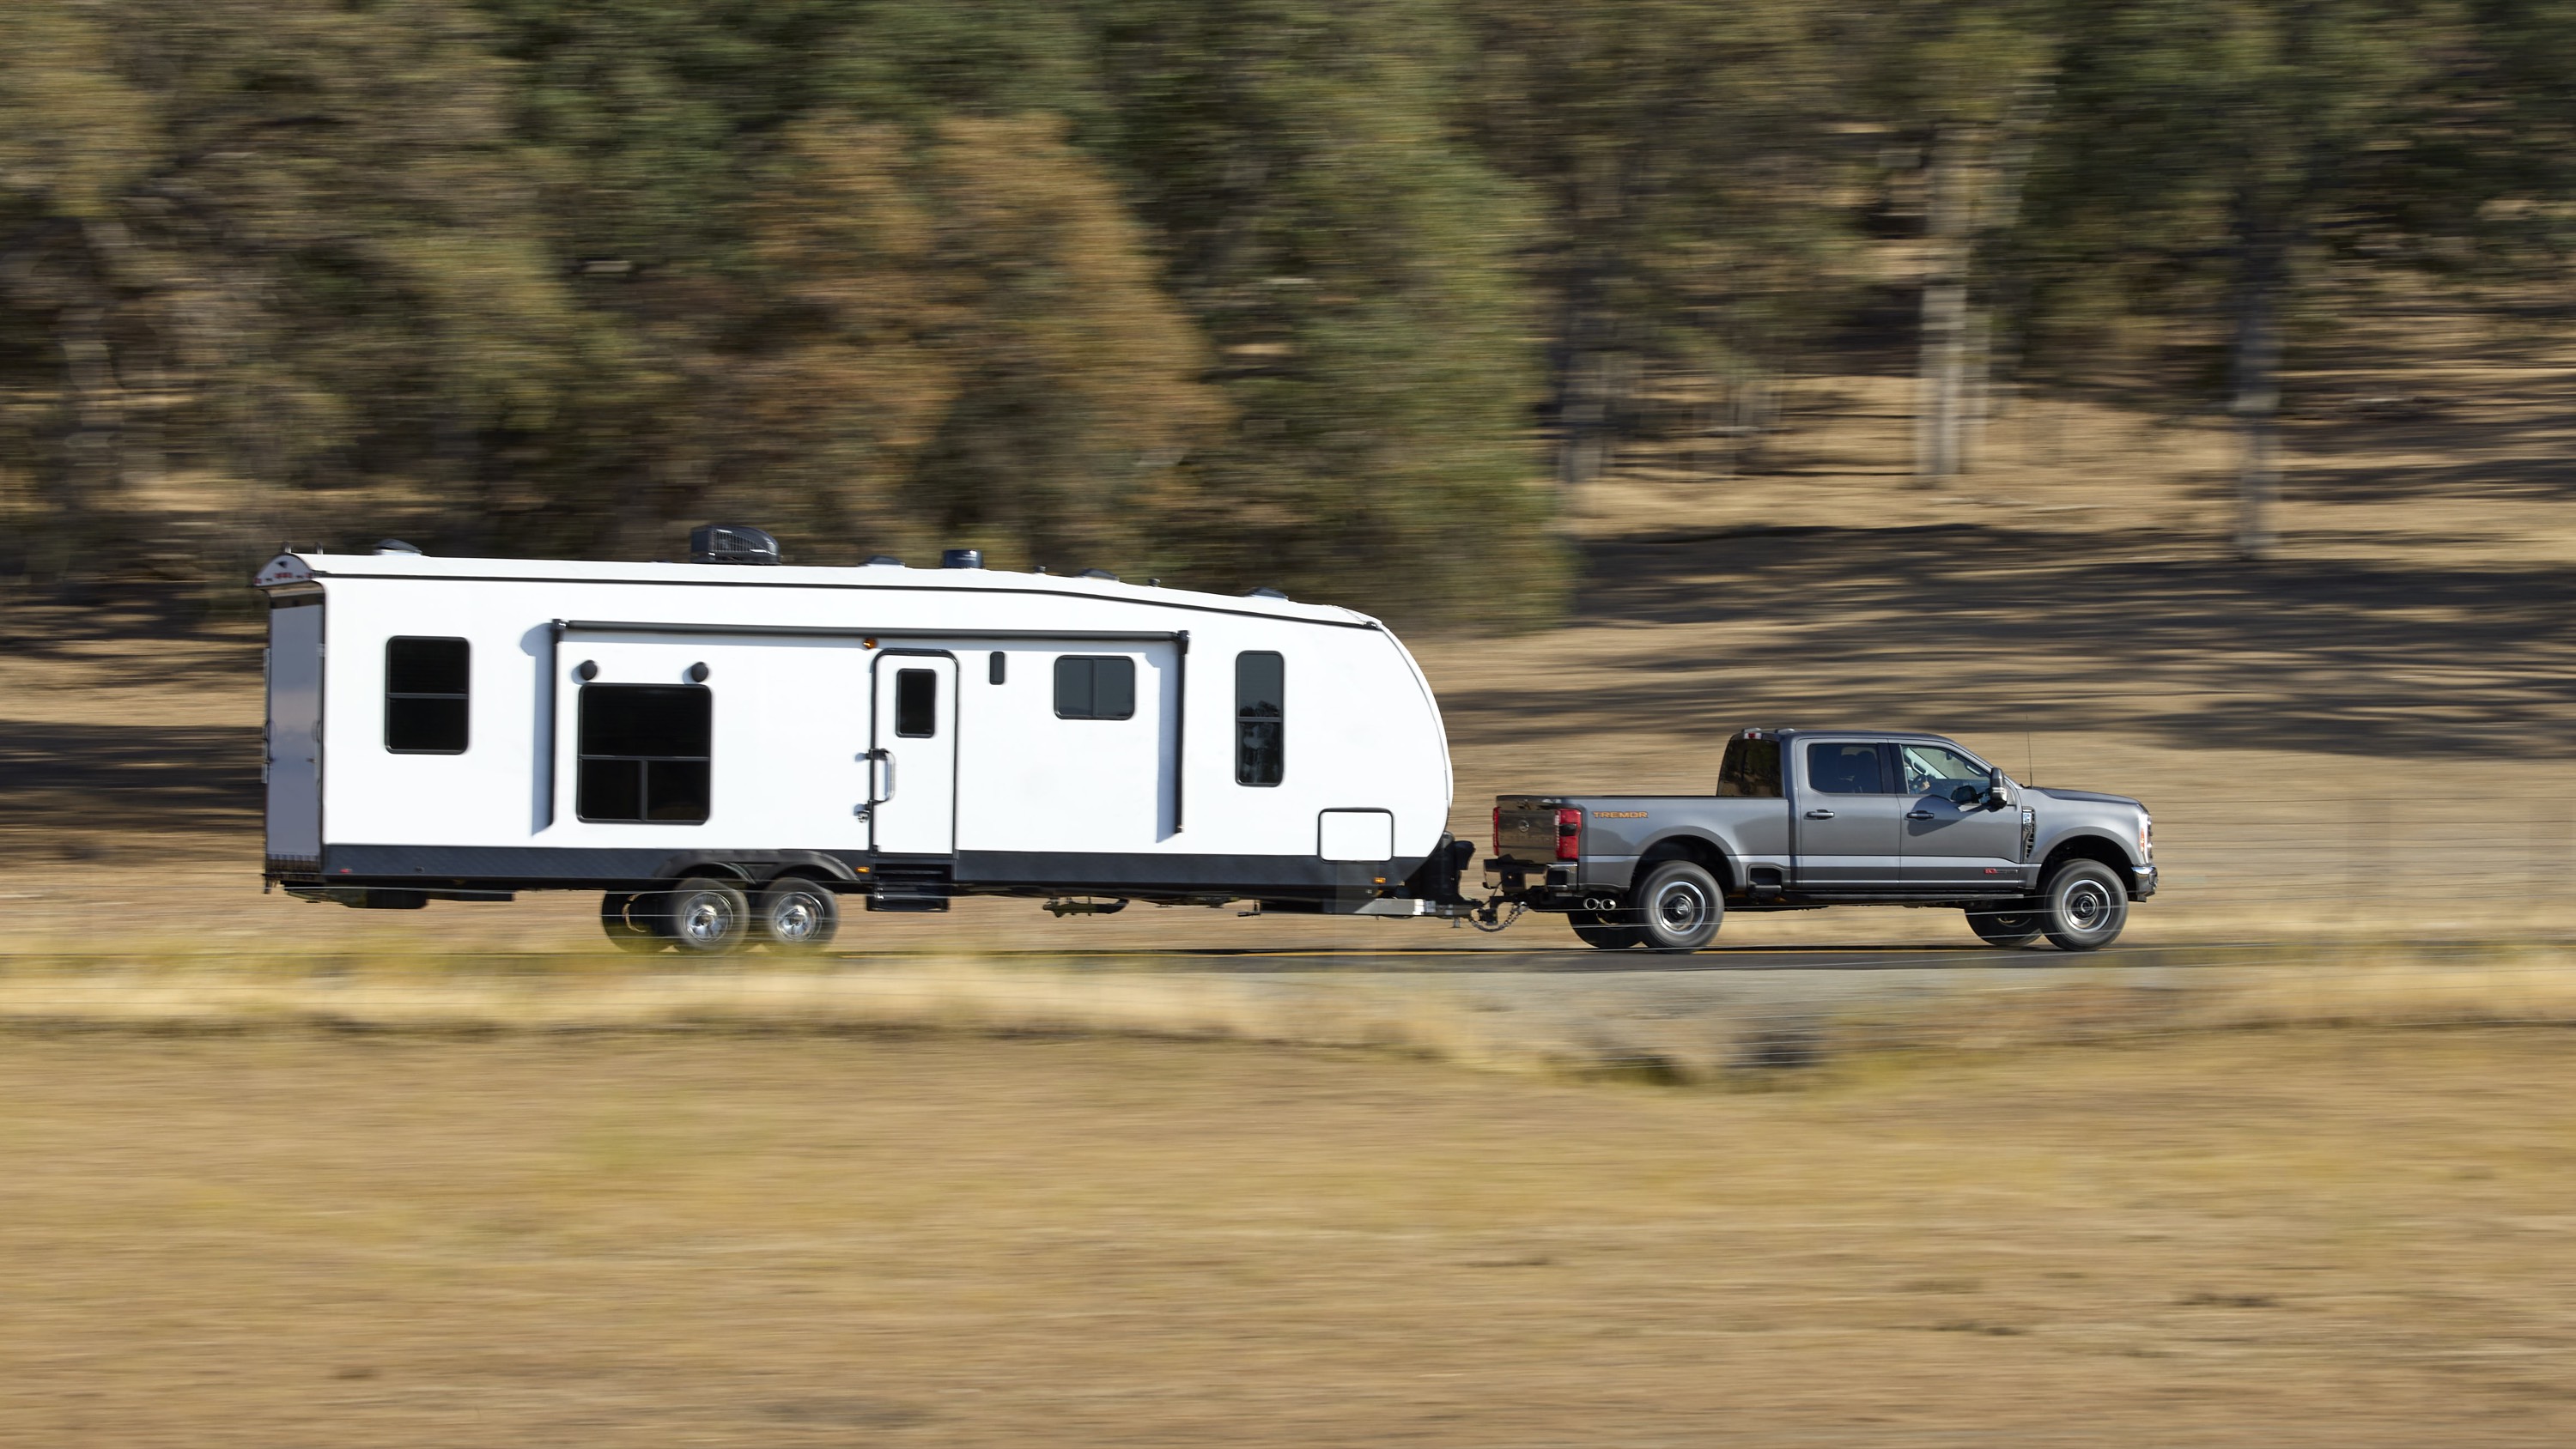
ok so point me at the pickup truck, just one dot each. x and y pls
(1808, 818)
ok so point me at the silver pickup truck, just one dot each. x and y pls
(1808, 818)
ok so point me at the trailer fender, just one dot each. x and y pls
(759, 867)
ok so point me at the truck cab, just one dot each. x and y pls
(1803, 819)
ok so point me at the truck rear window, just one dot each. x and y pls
(1751, 770)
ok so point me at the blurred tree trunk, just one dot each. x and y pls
(2256, 366)
(1942, 382)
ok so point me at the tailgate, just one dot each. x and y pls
(1525, 827)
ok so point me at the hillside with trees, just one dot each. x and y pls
(1349, 298)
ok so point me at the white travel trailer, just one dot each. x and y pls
(723, 751)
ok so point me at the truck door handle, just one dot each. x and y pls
(1820, 815)
(1918, 814)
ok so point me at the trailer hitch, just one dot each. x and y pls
(1489, 916)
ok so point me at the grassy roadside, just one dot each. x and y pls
(1661, 1020)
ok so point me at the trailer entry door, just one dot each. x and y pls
(293, 759)
(912, 761)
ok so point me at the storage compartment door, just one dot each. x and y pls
(912, 763)
(1367, 835)
(292, 765)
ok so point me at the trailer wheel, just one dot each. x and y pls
(705, 916)
(2007, 928)
(797, 914)
(1597, 930)
(2084, 906)
(1679, 906)
(626, 917)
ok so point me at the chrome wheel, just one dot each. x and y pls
(707, 917)
(1683, 906)
(2086, 906)
(798, 915)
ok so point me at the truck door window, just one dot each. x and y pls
(427, 682)
(1751, 770)
(1933, 770)
(1845, 769)
(1260, 717)
(644, 753)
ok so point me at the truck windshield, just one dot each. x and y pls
(1751, 770)
(1933, 770)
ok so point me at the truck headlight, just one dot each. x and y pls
(2146, 835)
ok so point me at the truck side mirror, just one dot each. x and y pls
(1997, 796)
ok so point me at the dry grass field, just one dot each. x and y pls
(2333, 1239)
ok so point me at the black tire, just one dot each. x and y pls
(1600, 930)
(2083, 906)
(1679, 907)
(704, 916)
(627, 920)
(2010, 925)
(798, 915)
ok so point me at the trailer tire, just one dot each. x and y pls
(704, 916)
(799, 915)
(1600, 932)
(1679, 906)
(2009, 926)
(625, 917)
(2083, 906)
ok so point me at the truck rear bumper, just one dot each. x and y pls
(2142, 881)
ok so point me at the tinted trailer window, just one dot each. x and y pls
(644, 753)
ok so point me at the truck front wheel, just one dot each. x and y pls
(1679, 906)
(2084, 906)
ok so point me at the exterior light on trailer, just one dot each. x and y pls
(1498, 830)
(869, 643)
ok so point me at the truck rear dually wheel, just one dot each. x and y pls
(2083, 906)
(1679, 906)
(1599, 929)
(2006, 924)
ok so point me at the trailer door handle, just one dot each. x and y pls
(880, 776)
(1918, 814)
(1820, 815)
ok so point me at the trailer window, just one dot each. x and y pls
(1751, 770)
(1846, 769)
(916, 703)
(1095, 688)
(644, 753)
(1260, 718)
(427, 683)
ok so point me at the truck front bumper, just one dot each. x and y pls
(2142, 881)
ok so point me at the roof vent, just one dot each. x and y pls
(1097, 574)
(395, 545)
(884, 561)
(961, 558)
(1264, 592)
(731, 543)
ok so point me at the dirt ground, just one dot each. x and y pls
(2398, 687)
(2341, 1239)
